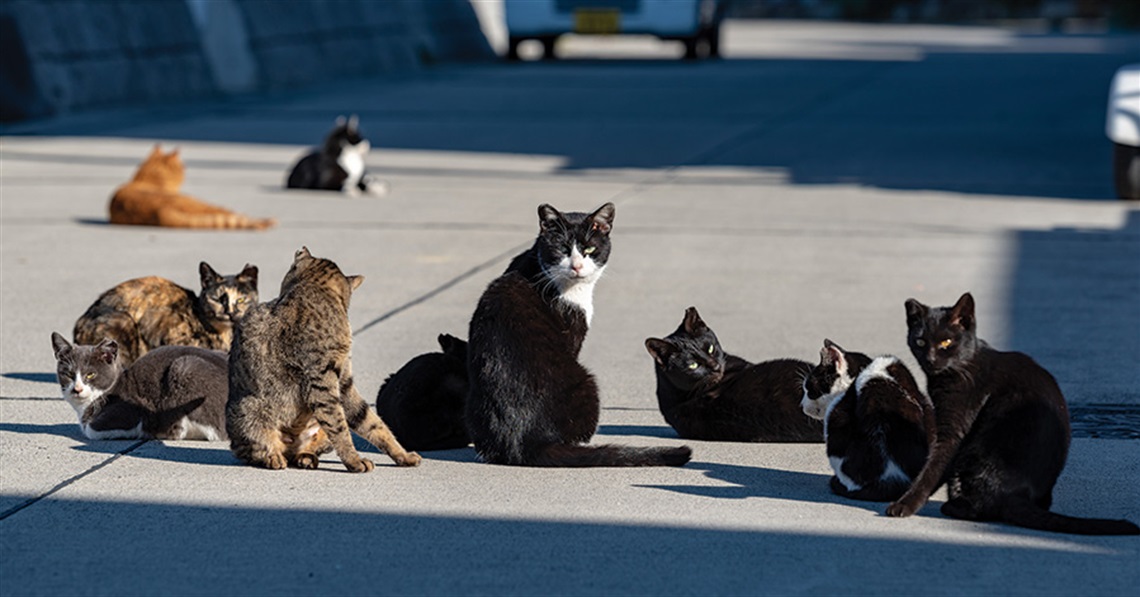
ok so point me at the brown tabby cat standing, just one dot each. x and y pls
(151, 198)
(291, 393)
(145, 313)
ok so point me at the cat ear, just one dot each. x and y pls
(963, 312)
(207, 274)
(451, 345)
(249, 273)
(302, 253)
(603, 218)
(156, 150)
(915, 311)
(59, 344)
(830, 354)
(693, 323)
(355, 281)
(174, 153)
(548, 216)
(659, 349)
(340, 120)
(353, 122)
(108, 350)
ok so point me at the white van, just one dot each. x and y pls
(694, 22)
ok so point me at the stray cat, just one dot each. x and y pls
(292, 396)
(531, 402)
(1003, 428)
(173, 392)
(151, 198)
(877, 424)
(338, 165)
(145, 313)
(422, 403)
(705, 393)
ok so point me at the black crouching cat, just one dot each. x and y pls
(531, 402)
(1003, 428)
(338, 164)
(877, 423)
(707, 394)
(171, 392)
(422, 403)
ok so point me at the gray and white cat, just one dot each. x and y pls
(338, 164)
(171, 392)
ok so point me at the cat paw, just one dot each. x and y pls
(307, 461)
(362, 465)
(901, 509)
(276, 462)
(408, 459)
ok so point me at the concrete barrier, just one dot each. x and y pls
(64, 55)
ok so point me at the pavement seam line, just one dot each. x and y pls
(30, 501)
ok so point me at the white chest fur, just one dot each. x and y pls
(351, 160)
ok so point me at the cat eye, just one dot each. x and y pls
(693, 365)
(589, 250)
(710, 348)
(920, 342)
(943, 345)
(241, 301)
(89, 376)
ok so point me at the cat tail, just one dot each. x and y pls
(220, 220)
(563, 455)
(1024, 513)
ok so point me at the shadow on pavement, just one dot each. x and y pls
(213, 550)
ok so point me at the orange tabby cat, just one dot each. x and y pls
(151, 198)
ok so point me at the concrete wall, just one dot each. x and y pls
(62, 55)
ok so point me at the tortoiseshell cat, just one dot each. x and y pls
(152, 198)
(877, 424)
(291, 393)
(172, 392)
(531, 402)
(338, 164)
(422, 403)
(145, 313)
(705, 393)
(1003, 428)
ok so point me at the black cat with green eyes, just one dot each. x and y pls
(707, 394)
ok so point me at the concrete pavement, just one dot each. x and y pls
(801, 189)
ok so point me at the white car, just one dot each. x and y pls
(694, 22)
(1123, 127)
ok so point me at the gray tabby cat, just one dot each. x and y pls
(291, 394)
(171, 392)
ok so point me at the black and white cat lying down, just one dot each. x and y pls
(171, 392)
(338, 164)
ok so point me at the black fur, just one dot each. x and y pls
(707, 394)
(879, 417)
(531, 402)
(422, 403)
(321, 168)
(1003, 428)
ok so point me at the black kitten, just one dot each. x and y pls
(338, 164)
(531, 402)
(707, 394)
(877, 423)
(1003, 428)
(422, 403)
(171, 392)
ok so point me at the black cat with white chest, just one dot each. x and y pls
(705, 393)
(1003, 428)
(878, 425)
(530, 401)
(338, 164)
(171, 392)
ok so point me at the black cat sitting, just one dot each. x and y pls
(1003, 428)
(422, 403)
(531, 402)
(338, 164)
(705, 393)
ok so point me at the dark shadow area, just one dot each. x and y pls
(68, 430)
(647, 430)
(36, 377)
(1074, 306)
(962, 119)
(758, 482)
(70, 546)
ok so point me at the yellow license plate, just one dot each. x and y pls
(597, 20)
